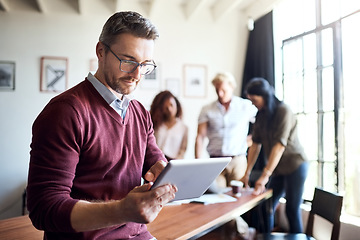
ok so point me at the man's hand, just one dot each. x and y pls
(142, 205)
(155, 171)
(245, 180)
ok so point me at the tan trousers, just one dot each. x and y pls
(233, 171)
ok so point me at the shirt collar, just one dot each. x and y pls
(104, 91)
(218, 103)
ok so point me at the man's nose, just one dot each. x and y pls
(220, 93)
(136, 73)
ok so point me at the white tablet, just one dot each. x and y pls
(192, 177)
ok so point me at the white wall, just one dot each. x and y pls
(26, 36)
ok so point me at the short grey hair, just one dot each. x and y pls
(127, 22)
(224, 77)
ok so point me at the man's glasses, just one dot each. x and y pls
(129, 66)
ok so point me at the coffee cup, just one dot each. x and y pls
(236, 186)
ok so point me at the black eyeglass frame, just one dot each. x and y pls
(133, 62)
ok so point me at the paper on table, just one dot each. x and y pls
(214, 198)
(206, 199)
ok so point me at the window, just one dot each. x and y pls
(317, 78)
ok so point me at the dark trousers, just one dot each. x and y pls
(291, 187)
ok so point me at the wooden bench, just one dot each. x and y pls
(19, 228)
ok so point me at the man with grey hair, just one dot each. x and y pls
(225, 122)
(92, 145)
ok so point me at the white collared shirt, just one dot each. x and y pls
(227, 130)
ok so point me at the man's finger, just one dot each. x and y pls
(155, 171)
(143, 188)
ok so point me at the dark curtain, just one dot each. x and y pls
(259, 63)
(259, 60)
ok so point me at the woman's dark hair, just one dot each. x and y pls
(156, 109)
(261, 87)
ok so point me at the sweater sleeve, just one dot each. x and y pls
(53, 158)
(284, 123)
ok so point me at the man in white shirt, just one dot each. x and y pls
(225, 122)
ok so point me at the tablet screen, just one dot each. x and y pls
(192, 177)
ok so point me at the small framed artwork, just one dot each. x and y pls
(195, 80)
(93, 65)
(173, 85)
(53, 74)
(7, 76)
(152, 80)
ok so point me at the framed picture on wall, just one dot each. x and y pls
(7, 76)
(53, 74)
(173, 85)
(152, 80)
(93, 65)
(195, 80)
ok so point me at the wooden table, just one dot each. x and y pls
(19, 228)
(193, 220)
(174, 222)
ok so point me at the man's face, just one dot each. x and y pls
(224, 91)
(126, 47)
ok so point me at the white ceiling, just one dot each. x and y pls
(251, 8)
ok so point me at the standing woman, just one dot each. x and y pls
(286, 169)
(170, 131)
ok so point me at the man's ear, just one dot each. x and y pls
(100, 50)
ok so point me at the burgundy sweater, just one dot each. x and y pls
(82, 149)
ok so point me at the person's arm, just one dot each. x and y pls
(140, 206)
(184, 144)
(249, 140)
(200, 137)
(273, 160)
(253, 154)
